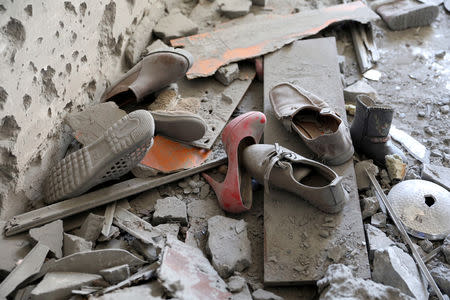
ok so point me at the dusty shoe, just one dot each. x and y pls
(179, 125)
(370, 130)
(155, 71)
(112, 155)
(281, 168)
(320, 128)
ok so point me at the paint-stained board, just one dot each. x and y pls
(300, 241)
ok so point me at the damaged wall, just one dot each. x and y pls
(57, 58)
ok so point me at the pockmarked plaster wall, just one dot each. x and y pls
(57, 57)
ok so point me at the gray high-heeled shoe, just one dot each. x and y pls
(278, 167)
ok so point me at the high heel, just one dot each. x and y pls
(235, 192)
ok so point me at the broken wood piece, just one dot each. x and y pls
(364, 44)
(109, 215)
(29, 266)
(99, 197)
(263, 34)
(135, 226)
(298, 238)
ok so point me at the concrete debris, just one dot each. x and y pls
(59, 285)
(350, 109)
(148, 291)
(143, 274)
(186, 273)
(150, 251)
(370, 206)
(378, 220)
(340, 283)
(113, 244)
(116, 274)
(50, 235)
(228, 245)
(377, 239)
(373, 75)
(426, 245)
(168, 229)
(358, 88)
(437, 174)
(265, 295)
(166, 99)
(236, 284)
(234, 8)
(414, 147)
(173, 26)
(108, 219)
(143, 171)
(404, 14)
(392, 266)
(244, 294)
(144, 204)
(74, 244)
(446, 248)
(441, 275)
(228, 73)
(14, 248)
(29, 266)
(362, 180)
(155, 45)
(91, 228)
(113, 233)
(93, 261)
(395, 166)
(170, 209)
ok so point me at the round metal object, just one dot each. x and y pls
(423, 207)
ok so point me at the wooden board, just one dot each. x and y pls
(297, 248)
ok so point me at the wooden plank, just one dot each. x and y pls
(99, 197)
(299, 239)
(109, 215)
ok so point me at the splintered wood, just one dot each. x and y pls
(300, 241)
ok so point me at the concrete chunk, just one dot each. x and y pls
(228, 245)
(377, 239)
(170, 209)
(370, 206)
(446, 248)
(74, 244)
(395, 166)
(244, 294)
(392, 266)
(362, 180)
(234, 8)
(50, 235)
(260, 294)
(358, 88)
(91, 228)
(378, 220)
(437, 174)
(145, 203)
(59, 285)
(405, 14)
(116, 274)
(173, 26)
(441, 275)
(236, 284)
(148, 291)
(227, 74)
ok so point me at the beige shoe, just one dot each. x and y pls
(281, 168)
(182, 126)
(155, 71)
(320, 128)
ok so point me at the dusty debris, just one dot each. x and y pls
(107, 221)
(93, 261)
(228, 245)
(25, 293)
(370, 206)
(228, 73)
(149, 291)
(150, 252)
(29, 266)
(50, 235)
(247, 40)
(59, 285)
(437, 174)
(426, 245)
(173, 26)
(395, 166)
(392, 266)
(116, 274)
(350, 109)
(377, 239)
(74, 244)
(168, 229)
(91, 228)
(446, 248)
(244, 294)
(373, 75)
(13, 249)
(378, 220)
(186, 273)
(339, 282)
(260, 294)
(170, 209)
(234, 8)
(364, 44)
(166, 99)
(358, 88)
(441, 274)
(236, 284)
(113, 233)
(416, 149)
(361, 178)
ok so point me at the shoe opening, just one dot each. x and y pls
(312, 124)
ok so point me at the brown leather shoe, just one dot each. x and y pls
(181, 126)
(320, 128)
(155, 71)
(278, 167)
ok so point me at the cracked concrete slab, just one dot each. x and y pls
(170, 209)
(377, 239)
(91, 228)
(74, 244)
(50, 235)
(173, 26)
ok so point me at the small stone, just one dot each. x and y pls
(145, 203)
(168, 229)
(377, 239)
(358, 88)
(446, 248)
(74, 244)
(370, 206)
(428, 130)
(441, 274)
(385, 180)
(440, 54)
(173, 26)
(335, 253)
(378, 220)
(50, 235)
(235, 8)
(227, 74)
(196, 190)
(395, 166)
(236, 284)
(421, 114)
(362, 180)
(350, 109)
(426, 245)
(183, 184)
(324, 233)
(170, 209)
(230, 251)
(265, 295)
(436, 153)
(187, 190)
(445, 109)
(150, 252)
(91, 228)
(116, 274)
(204, 191)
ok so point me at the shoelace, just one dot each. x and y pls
(276, 158)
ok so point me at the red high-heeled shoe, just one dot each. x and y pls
(235, 192)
